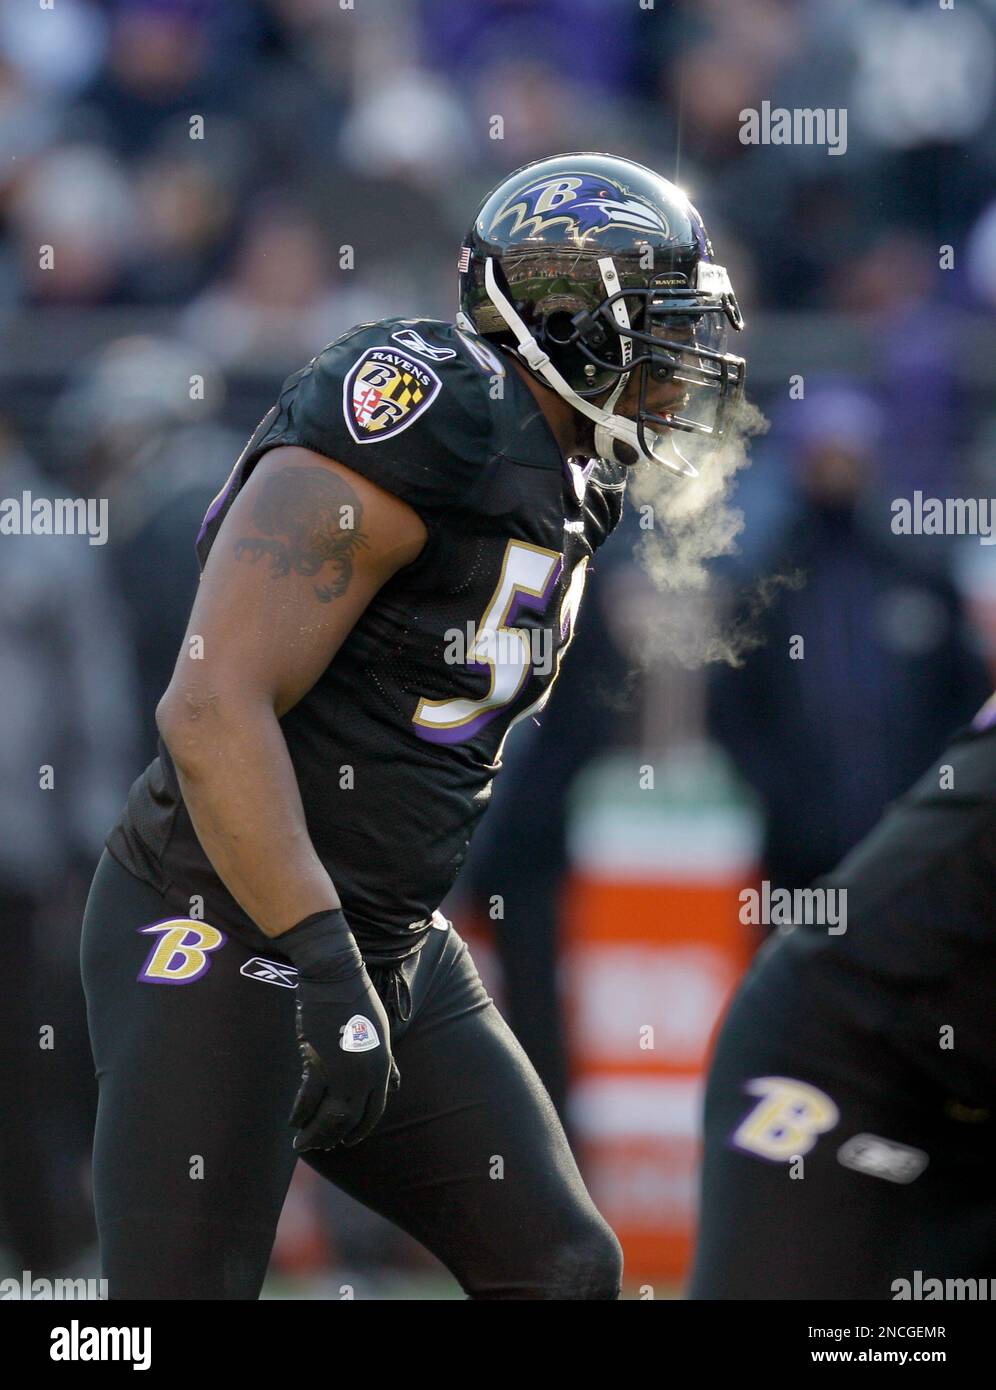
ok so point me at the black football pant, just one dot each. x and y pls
(846, 1146)
(193, 1153)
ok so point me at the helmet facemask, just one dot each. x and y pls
(666, 333)
(673, 337)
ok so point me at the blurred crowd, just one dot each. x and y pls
(227, 185)
(214, 155)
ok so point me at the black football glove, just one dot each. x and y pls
(344, 1036)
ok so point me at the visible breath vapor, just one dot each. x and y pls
(693, 522)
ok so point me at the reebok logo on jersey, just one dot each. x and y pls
(414, 342)
(359, 1035)
(385, 392)
(270, 972)
(882, 1158)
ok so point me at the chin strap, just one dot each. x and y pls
(610, 429)
(610, 279)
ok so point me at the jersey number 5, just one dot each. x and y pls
(529, 575)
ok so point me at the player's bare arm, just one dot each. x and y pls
(301, 553)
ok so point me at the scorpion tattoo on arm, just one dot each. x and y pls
(309, 518)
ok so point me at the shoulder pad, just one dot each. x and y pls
(404, 402)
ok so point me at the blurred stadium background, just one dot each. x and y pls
(341, 154)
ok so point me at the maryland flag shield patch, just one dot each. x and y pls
(385, 392)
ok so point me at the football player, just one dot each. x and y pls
(390, 578)
(851, 1105)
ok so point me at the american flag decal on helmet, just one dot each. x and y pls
(463, 263)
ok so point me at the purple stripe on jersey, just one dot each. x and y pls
(217, 504)
(261, 430)
(986, 716)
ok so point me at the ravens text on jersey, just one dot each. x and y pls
(431, 414)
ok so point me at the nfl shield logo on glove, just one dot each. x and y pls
(359, 1035)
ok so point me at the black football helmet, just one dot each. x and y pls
(590, 268)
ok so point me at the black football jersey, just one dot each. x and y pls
(396, 745)
(920, 887)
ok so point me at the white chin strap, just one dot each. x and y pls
(620, 313)
(610, 429)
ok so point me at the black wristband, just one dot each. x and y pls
(321, 947)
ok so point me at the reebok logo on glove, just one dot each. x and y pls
(359, 1035)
